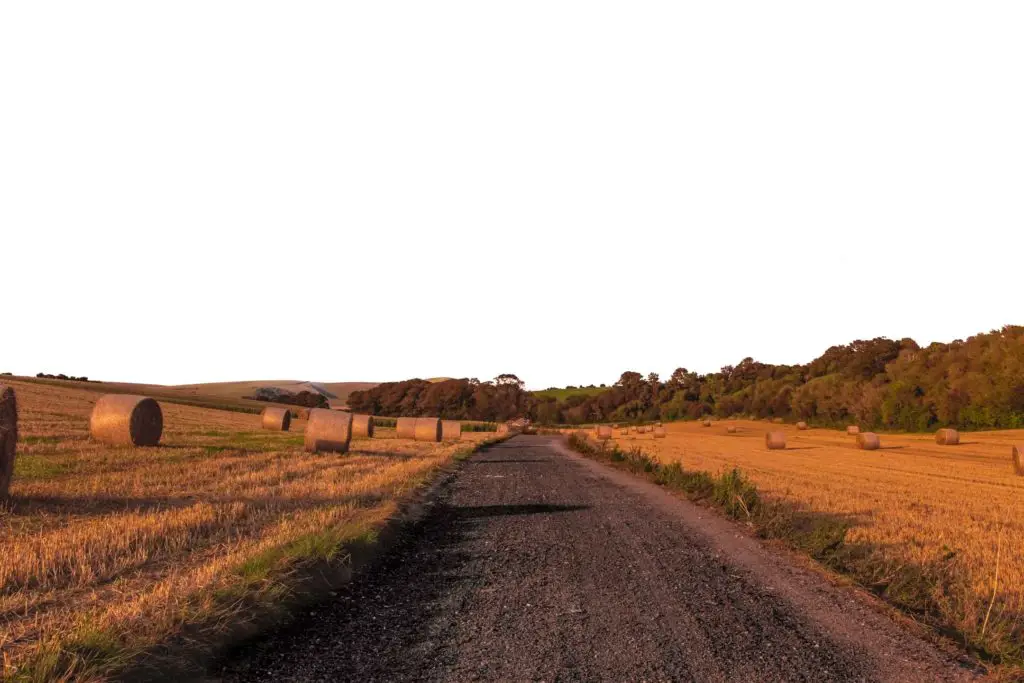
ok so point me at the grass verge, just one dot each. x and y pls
(934, 594)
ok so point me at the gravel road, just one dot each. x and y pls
(538, 565)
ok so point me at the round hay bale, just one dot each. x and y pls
(8, 437)
(801, 426)
(328, 431)
(660, 433)
(406, 428)
(125, 420)
(658, 424)
(706, 423)
(947, 437)
(276, 419)
(428, 429)
(362, 426)
(1018, 459)
(853, 430)
(604, 433)
(778, 421)
(868, 441)
(775, 441)
(730, 430)
(624, 432)
(451, 430)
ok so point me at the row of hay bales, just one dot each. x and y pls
(626, 429)
(869, 441)
(326, 428)
(605, 432)
(128, 420)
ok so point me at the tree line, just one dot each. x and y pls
(881, 383)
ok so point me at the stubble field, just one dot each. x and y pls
(945, 519)
(106, 551)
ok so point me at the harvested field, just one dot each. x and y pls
(917, 507)
(108, 550)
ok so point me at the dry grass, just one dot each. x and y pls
(916, 505)
(109, 550)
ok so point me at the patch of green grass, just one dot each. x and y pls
(87, 653)
(39, 466)
(562, 394)
(30, 440)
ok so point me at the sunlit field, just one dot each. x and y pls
(958, 510)
(105, 551)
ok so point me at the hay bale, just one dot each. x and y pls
(801, 426)
(406, 428)
(8, 437)
(777, 421)
(947, 437)
(868, 441)
(428, 429)
(730, 430)
(624, 431)
(504, 429)
(604, 433)
(1018, 457)
(660, 433)
(451, 430)
(276, 419)
(362, 426)
(328, 430)
(775, 441)
(853, 430)
(125, 420)
(707, 423)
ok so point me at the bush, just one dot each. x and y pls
(479, 427)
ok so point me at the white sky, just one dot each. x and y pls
(205, 191)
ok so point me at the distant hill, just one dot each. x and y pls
(225, 395)
(334, 391)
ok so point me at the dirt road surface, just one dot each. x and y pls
(538, 565)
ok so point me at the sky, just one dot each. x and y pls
(373, 191)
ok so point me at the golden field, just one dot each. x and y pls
(106, 551)
(913, 503)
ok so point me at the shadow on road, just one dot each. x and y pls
(508, 510)
(506, 462)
